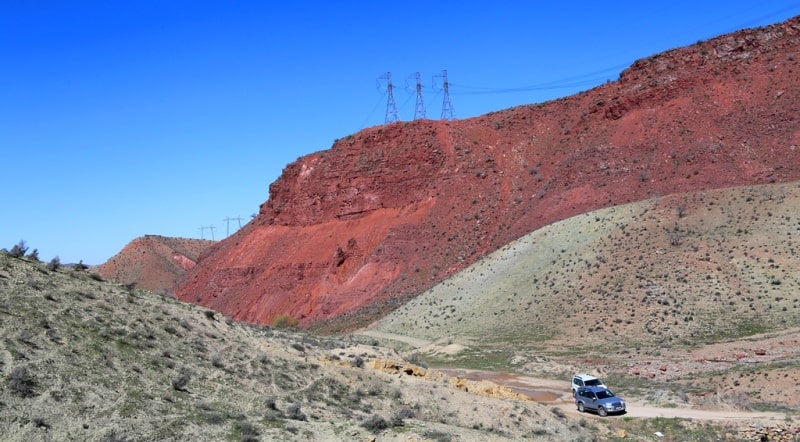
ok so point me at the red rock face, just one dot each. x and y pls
(392, 210)
(153, 262)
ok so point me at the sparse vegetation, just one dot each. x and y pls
(18, 250)
(54, 264)
(21, 383)
(285, 321)
(85, 361)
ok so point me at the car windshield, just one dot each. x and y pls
(592, 382)
(604, 394)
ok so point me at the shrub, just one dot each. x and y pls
(113, 436)
(403, 413)
(357, 362)
(19, 250)
(247, 432)
(284, 321)
(181, 381)
(437, 436)
(293, 412)
(54, 264)
(21, 383)
(34, 255)
(216, 361)
(375, 424)
(558, 412)
(80, 266)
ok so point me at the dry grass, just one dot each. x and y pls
(84, 359)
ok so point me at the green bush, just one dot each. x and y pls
(285, 321)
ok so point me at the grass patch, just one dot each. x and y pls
(475, 359)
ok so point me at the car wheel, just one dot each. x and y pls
(602, 411)
(580, 407)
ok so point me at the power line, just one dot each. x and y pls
(588, 79)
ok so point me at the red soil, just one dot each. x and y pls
(153, 262)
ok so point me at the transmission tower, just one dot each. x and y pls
(228, 224)
(204, 228)
(419, 109)
(391, 106)
(447, 107)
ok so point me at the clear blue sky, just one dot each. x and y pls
(125, 118)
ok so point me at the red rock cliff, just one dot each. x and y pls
(392, 210)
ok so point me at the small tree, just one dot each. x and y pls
(284, 321)
(34, 255)
(19, 250)
(54, 263)
(81, 266)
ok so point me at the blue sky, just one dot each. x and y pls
(125, 118)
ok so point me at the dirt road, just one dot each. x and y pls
(558, 394)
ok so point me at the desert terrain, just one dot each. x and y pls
(85, 359)
(443, 280)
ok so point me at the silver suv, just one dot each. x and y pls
(599, 399)
(585, 380)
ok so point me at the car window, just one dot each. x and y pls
(593, 382)
(604, 394)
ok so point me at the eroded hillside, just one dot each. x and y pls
(84, 359)
(153, 262)
(680, 271)
(352, 232)
(692, 299)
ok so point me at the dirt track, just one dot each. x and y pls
(558, 394)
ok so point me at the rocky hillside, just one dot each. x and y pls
(357, 230)
(153, 262)
(83, 359)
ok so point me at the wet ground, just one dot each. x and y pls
(539, 390)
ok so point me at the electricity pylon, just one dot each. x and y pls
(391, 106)
(419, 109)
(447, 107)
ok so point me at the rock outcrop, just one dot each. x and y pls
(354, 231)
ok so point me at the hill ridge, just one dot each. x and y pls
(352, 232)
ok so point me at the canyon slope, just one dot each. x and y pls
(153, 262)
(357, 230)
